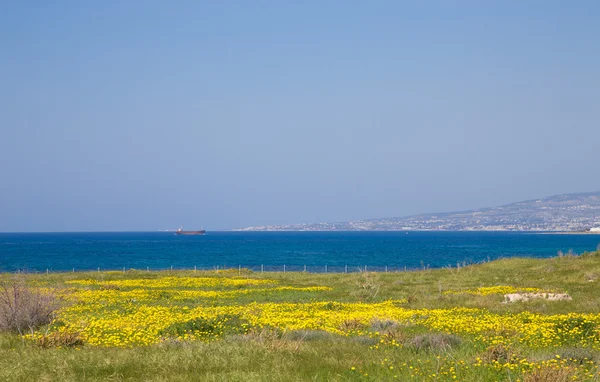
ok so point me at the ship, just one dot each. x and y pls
(180, 231)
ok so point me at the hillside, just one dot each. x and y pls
(567, 212)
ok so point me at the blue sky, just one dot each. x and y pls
(147, 115)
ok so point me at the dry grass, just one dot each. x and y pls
(499, 353)
(60, 339)
(390, 330)
(435, 342)
(272, 339)
(549, 374)
(368, 286)
(351, 325)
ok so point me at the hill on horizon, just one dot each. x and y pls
(566, 212)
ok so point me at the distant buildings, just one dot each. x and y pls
(569, 213)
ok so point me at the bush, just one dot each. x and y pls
(390, 330)
(60, 339)
(549, 374)
(25, 309)
(499, 353)
(352, 325)
(368, 287)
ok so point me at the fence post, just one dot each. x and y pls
(365, 267)
(262, 268)
(171, 268)
(345, 268)
(283, 268)
(73, 270)
(98, 269)
(47, 271)
(304, 268)
(147, 269)
(239, 270)
(386, 269)
(325, 268)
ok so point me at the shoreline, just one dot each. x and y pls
(570, 233)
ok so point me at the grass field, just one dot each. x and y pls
(430, 325)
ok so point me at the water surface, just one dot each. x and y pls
(272, 250)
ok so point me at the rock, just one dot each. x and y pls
(515, 297)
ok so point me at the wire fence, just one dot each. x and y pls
(260, 268)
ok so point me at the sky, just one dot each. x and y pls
(131, 115)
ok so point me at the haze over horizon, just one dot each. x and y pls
(118, 116)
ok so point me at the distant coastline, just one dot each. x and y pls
(574, 233)
(540, 232)
(567, 213)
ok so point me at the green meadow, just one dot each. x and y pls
(430, 325)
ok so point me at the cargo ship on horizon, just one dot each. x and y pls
(180, 231)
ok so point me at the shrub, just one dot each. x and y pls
(368, 286)
(60, 339)
(25, 309)
(394, 335)
(390, 330)
(351, 325)
(549, 374)
(499, 353)
(435, 342)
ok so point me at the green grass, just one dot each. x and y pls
(320, 356)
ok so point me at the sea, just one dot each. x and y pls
(275, 251)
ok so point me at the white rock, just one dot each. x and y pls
(515, 297)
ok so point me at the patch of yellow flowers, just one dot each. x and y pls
(116, 296)
(135, 312)
(175, 282)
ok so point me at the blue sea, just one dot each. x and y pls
(317, 251)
